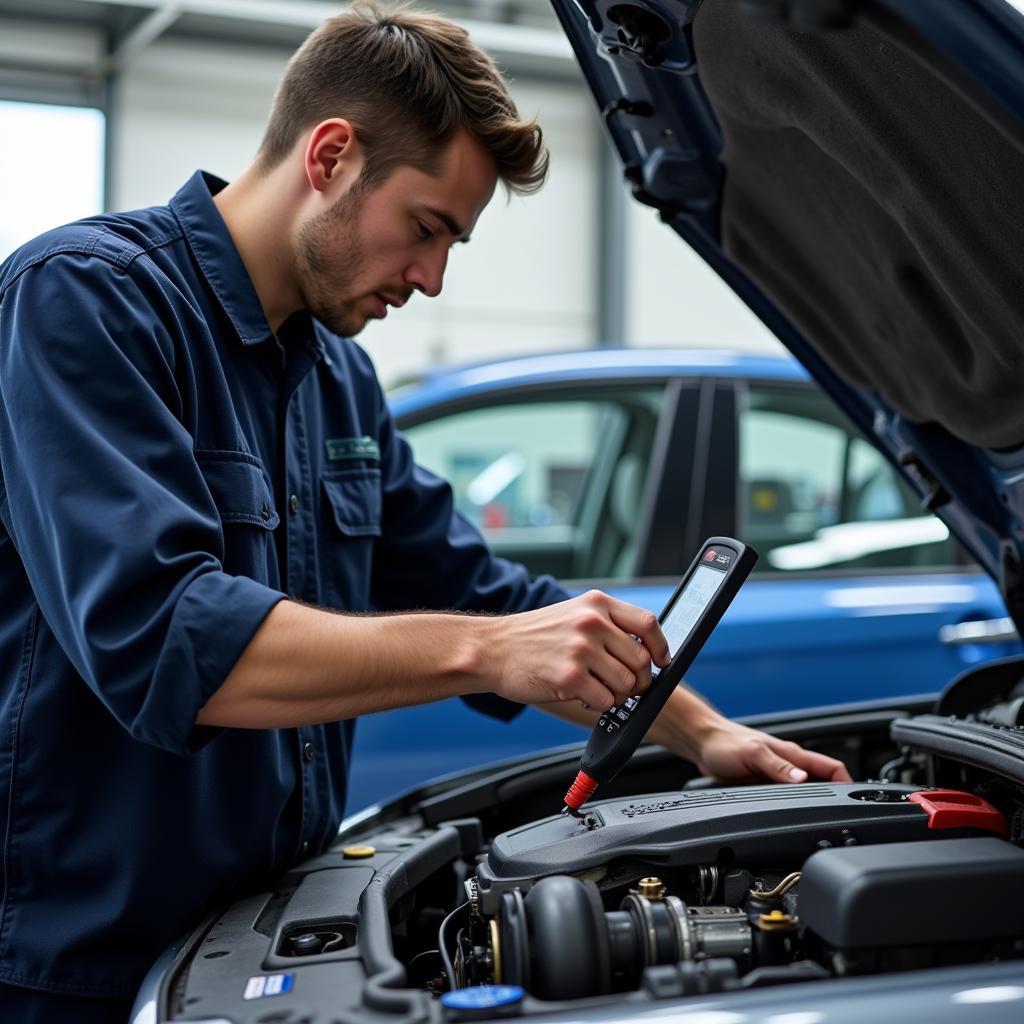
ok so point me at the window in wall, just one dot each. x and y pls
(816, 495)
(51, 168)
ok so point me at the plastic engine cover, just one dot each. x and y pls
(785, 822)
(905, 894)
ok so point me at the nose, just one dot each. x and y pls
(427, 273)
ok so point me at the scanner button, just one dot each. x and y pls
(612, 726)
(631, 702)
(623, 716)
(612, 710)
(602, 723)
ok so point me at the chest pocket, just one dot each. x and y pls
(241, 491)
(352, 505)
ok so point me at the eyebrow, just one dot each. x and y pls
(449, 222)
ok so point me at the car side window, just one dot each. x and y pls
(814, 494)
(553, 482)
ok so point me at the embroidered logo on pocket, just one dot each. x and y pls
(339, 448)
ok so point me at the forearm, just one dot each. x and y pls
(684, 723)
(681, 726)
(304, 666)
(722, 749)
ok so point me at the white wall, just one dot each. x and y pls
(674, 298)
(183, 106)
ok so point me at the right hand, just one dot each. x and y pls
(584, 649)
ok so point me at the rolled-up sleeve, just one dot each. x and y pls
(103, 496)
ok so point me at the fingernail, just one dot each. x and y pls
(797, 774)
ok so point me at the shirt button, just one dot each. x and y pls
(307, 752)
(293, 503)
(305, 849)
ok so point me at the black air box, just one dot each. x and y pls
(904, 894)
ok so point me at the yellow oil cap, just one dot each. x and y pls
(356, 852)
(775, 920)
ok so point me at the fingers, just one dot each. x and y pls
(634, 657)
(579, 686)
(599, 661)
(818, 766)
(613, 674)
(595, 695)
(772, 765)
(643, 624)
(602, 648)
(811, 763)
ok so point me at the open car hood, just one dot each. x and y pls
(853, 169)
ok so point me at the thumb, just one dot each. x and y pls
(772, 766)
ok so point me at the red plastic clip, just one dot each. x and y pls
(952, 808)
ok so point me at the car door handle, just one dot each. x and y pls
(986, 631)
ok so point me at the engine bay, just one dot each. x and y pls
(692, 890)
(696, 892)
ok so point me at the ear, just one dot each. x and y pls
(333, 155)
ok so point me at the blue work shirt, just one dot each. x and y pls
(171, 469)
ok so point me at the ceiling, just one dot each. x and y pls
(523, 35)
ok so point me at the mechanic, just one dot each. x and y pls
(199, 473)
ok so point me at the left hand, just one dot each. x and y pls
(730, 752)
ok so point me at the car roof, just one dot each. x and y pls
(593, 365)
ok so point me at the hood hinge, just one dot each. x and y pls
(935, 495)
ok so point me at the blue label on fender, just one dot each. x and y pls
(262, 985)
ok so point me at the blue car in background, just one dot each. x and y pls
(607, 468)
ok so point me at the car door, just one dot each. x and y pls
(557, 477)
(857, 587)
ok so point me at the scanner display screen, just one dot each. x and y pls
(691, 602)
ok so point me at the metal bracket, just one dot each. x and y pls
(141, 37)
(642, 34)
(627, 107)
(936, 495)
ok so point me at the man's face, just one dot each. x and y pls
(374, 247)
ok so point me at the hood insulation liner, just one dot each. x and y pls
(869, 193)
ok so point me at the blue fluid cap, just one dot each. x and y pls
(482, 1000)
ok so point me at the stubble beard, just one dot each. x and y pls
(326, 276)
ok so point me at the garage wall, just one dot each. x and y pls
(182, 106)
(674, 298)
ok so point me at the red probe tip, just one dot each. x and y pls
(580, 791)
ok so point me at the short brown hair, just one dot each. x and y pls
(408, 81)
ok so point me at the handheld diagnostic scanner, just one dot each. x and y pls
(689, 618)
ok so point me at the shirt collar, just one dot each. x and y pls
(218, 259)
